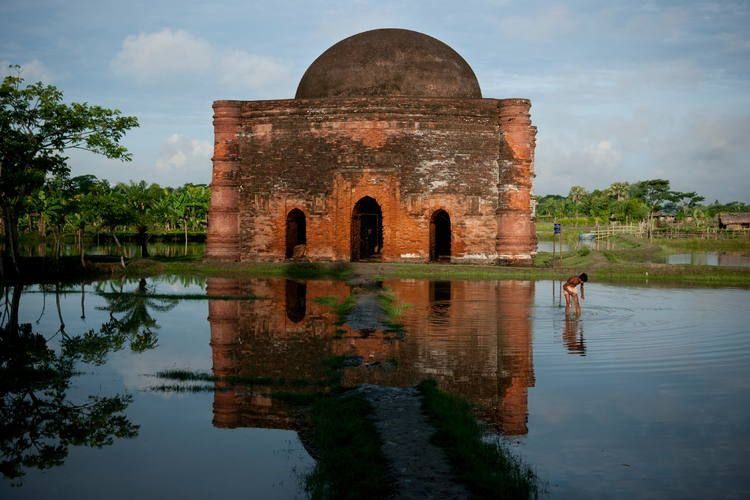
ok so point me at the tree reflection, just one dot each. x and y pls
(136, 323)
(39, 421)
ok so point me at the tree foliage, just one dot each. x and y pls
(36, 130)
(641, 200)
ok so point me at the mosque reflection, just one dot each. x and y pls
(473, 338)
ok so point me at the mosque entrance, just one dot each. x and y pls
(296, 232)
(367, 230)
(440, 236)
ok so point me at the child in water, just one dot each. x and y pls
(570, 291)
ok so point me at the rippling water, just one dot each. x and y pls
(646, 395)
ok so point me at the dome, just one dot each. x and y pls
(389, 62)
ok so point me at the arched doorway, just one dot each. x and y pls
(367, 230)
(296, 232)
(440, 236)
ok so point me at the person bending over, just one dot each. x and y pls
(569, 288)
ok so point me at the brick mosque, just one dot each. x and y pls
(387, 152)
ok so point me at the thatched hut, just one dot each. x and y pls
(734, 221)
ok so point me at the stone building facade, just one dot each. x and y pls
(388, 152)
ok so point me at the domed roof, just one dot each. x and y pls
(389, 62)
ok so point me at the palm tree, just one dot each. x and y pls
(618, 190)
(576, 195)
(136, 322)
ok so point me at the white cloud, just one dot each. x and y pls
(31, 71)
(169, 54)
(149, 57)
(241, 70)
(184, 155)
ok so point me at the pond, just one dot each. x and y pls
(546, 246)
(709, 259)
(646, 395)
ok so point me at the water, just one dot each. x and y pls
(709, 259)
(646, 395)
(546, 246)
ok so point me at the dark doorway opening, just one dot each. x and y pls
(296, 231)
(296, 300)
(440, 236)
(367, 230)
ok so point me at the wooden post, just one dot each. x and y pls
(553, 250)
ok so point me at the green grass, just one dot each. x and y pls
(393, 310)
(486, 468)
(194, 376)
(294, 270)
(738, 245)
(183, 296)
(631, 260)
(342, 309)
(184, 388)
(348, 449)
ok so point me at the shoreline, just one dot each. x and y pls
(603, 267)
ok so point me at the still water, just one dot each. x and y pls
(646, 395)
(709, 259)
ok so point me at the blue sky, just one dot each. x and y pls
(621, 90)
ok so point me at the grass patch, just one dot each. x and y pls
(348, 448)
(183, 296)
(310, 270)
(735, 245)
(186, 376)
(487, 469)
(196, 376)
(393, 310)
(184, 388)
(342, 309)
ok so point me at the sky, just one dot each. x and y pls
(621, 90)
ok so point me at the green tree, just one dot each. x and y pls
(36, 129)
(618, 191)
(577, 195)
(141, 198)
(194, 203)
(655, 193)
(114, 211)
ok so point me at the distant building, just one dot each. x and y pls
(387, 152)
(734, 221)
(664, 217)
